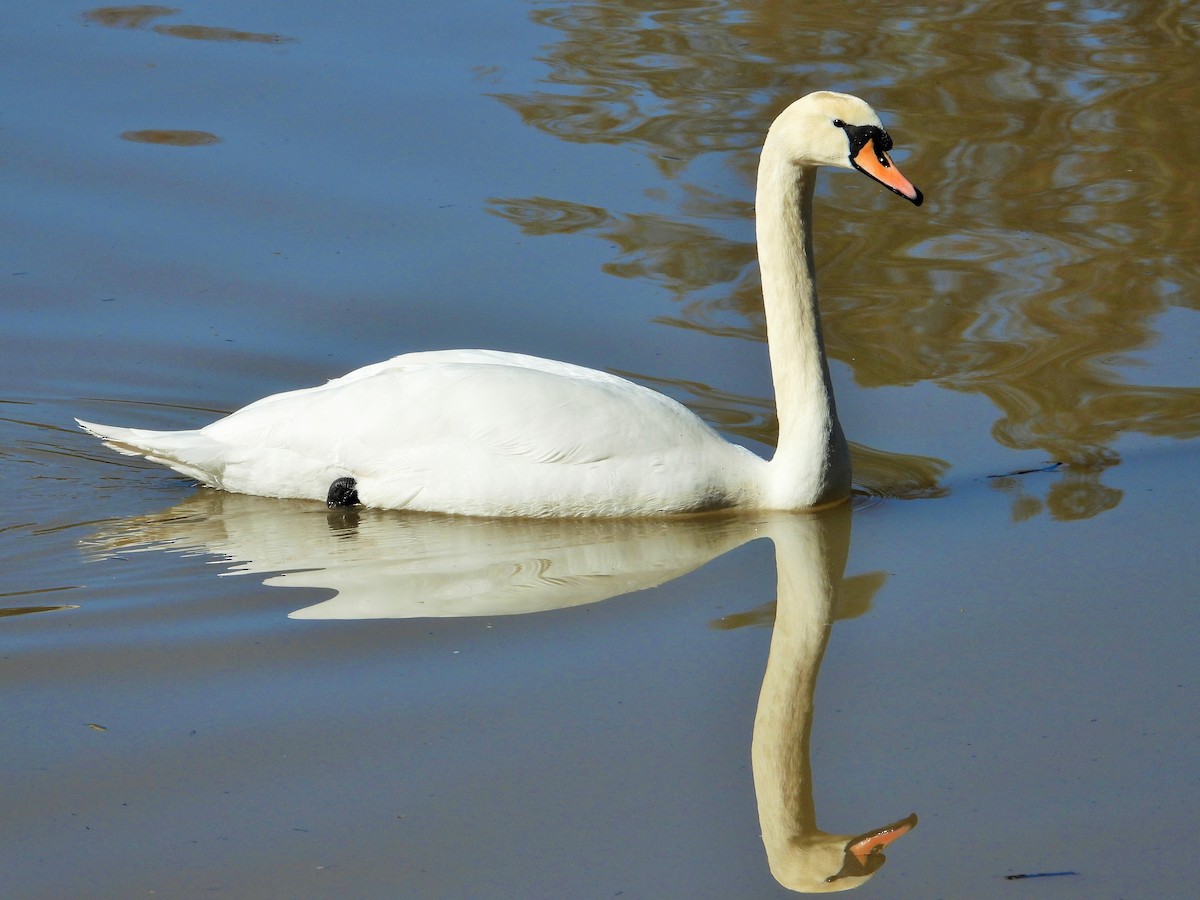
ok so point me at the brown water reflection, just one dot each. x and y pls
(1055, 143)
(140, 16)
(172, 137)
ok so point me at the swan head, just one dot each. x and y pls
(830, 129)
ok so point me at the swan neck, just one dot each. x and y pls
(811, 463)
(810, 555)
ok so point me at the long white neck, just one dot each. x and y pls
(811, 463)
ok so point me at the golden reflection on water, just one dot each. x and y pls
(1055, 143)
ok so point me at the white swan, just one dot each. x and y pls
(487, 433)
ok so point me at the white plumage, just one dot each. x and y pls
(476, 432)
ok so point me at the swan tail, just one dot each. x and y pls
(190, 453)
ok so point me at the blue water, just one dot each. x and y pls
(1011, 658)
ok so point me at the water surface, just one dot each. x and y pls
(209, 204)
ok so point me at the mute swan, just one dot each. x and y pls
(480, 432)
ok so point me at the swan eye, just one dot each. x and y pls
(838, 123)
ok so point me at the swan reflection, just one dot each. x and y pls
(393, 565)
(810, 558)
(389, 565)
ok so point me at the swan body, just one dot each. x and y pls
(487, 433)
(460, 431)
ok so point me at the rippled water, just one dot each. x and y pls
(208, 204)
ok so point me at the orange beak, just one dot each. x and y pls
(873, 842)
(874, 161)
(864, 854)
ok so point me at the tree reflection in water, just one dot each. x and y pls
(1054, 150)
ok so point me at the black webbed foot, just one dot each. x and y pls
(343, 492)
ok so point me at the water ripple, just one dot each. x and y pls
(1055, 145)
